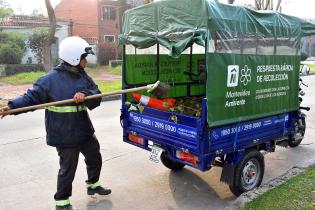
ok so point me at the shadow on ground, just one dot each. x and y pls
(190, 190)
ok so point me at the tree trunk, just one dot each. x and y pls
(48, 63)
(123, 8)
(267, 5)
(278, 5)
(258, 4)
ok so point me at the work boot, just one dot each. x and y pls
(98, 190)
(67, 207)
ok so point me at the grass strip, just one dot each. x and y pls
(296, 193)
(22, 78)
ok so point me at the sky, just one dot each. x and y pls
(299, 8)
(27, 6)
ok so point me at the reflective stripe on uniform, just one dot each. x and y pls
(95, 185)
(65, 109)
(62, 202)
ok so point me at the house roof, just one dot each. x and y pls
(91, 40)
(27, 21)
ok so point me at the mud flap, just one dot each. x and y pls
(227, 175)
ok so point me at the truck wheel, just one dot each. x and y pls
(299, 131)
(248, 173)
(169, 163)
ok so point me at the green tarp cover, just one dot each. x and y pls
(176, 24)
(173, 24)
(252, 58)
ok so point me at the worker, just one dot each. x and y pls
(68, 127)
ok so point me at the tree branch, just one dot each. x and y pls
(52, 22)
(267, 5)
(278, 5)
(258, 4)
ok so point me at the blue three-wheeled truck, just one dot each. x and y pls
(234, 78)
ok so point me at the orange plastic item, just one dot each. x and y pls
(162, 104)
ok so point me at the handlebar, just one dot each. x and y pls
(305, 108)
(301, 82)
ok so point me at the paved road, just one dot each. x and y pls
(29, 167)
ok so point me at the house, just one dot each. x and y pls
(97, 21)
(25, 24)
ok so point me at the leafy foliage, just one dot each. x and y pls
(12, 47)
(108, 51)
(36, 42)
(5, 11)
(190, 106)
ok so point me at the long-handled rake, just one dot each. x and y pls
(158, 89)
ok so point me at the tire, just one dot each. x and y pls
(253, 163)
(299, 131)
(169, 163)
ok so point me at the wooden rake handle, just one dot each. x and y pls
(42, 106)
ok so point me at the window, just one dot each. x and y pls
(109, 38)
(108, 13)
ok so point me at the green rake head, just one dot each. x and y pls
(158, 89)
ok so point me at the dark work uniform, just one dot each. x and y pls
(68, 127)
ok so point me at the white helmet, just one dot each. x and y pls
(72, 48)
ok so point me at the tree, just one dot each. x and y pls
(12, 48)
(47, 58)
(107, 51)
(5, 11)
(278, 8)
(263, 4)
(147, 1)
(267, 5)
(36, 43)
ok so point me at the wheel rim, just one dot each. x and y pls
(250, 174)
(299, 133)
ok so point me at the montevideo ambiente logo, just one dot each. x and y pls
(233, 75)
